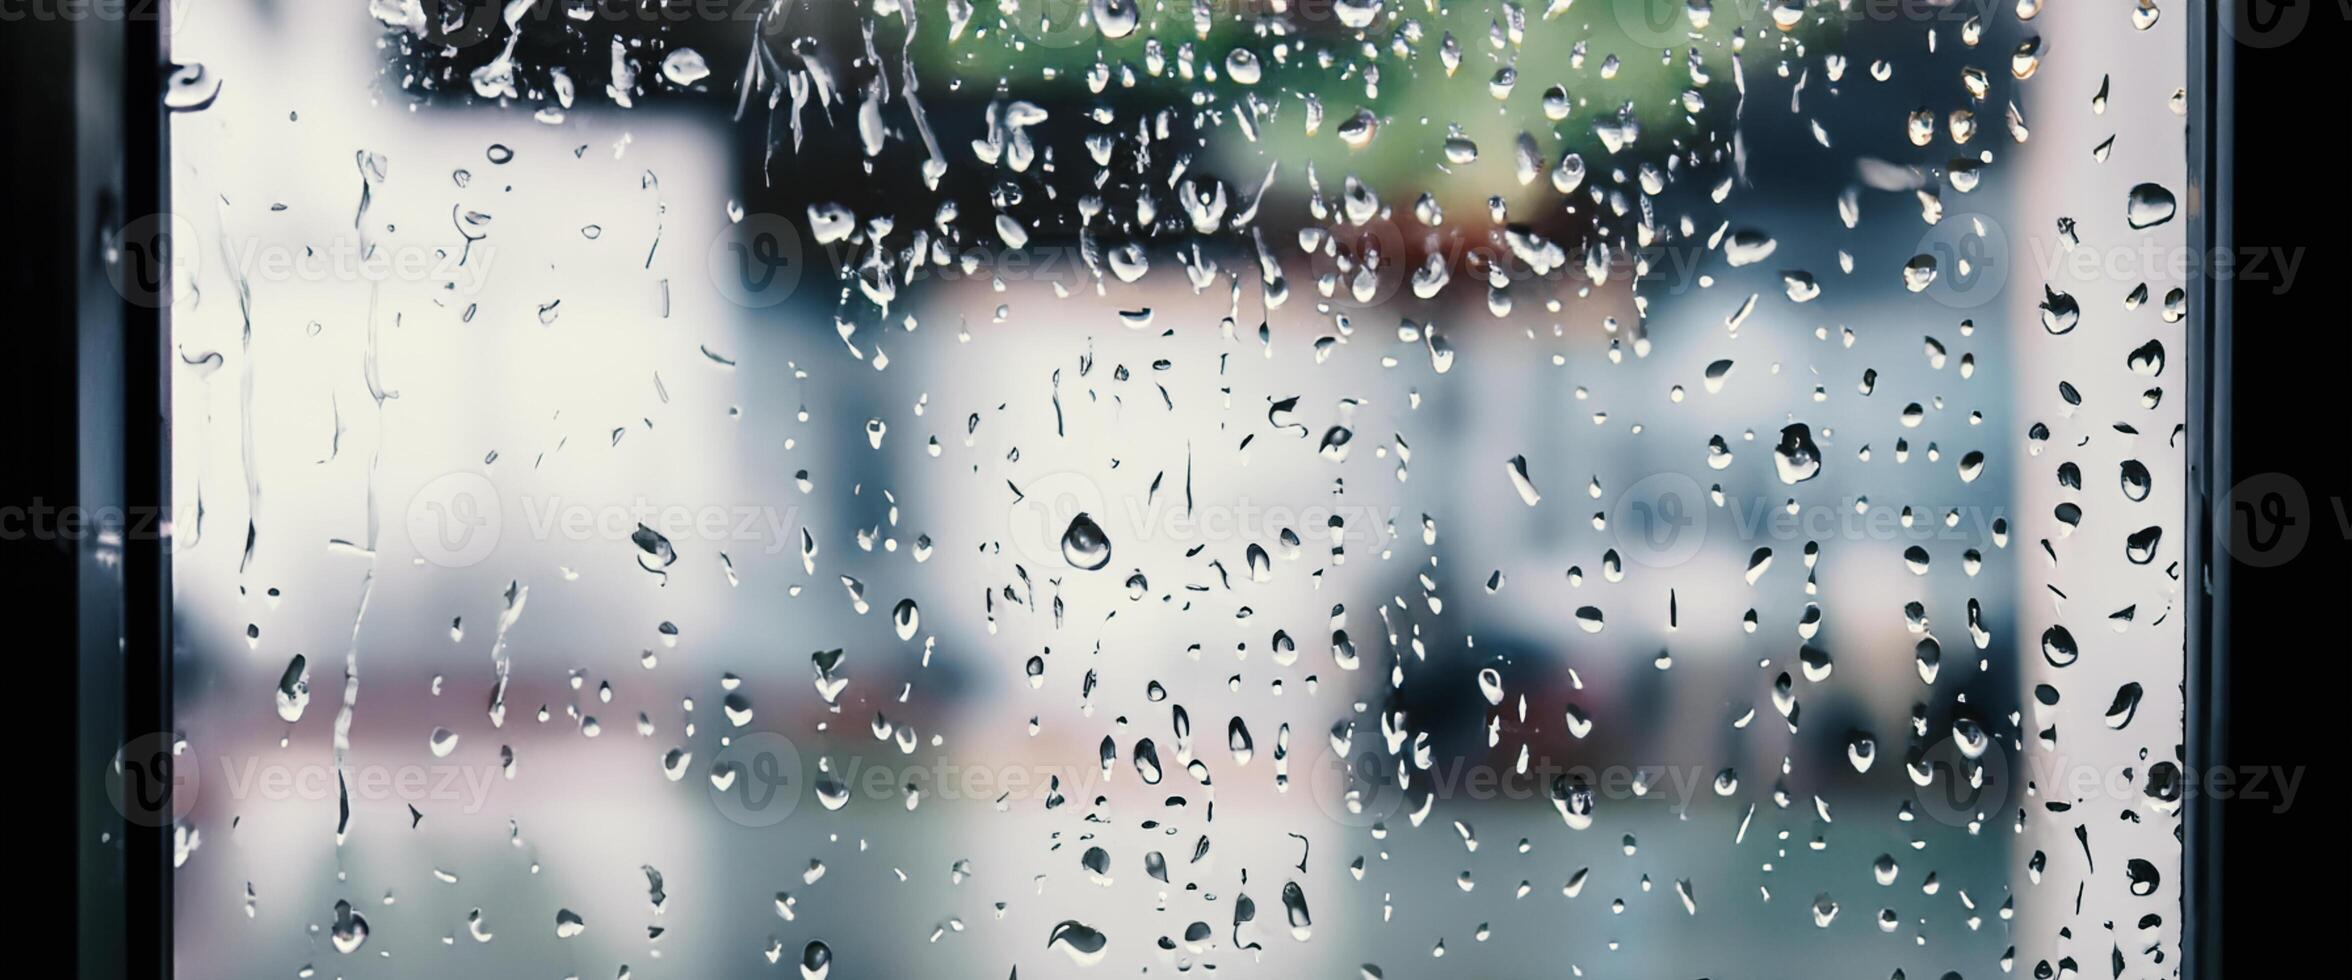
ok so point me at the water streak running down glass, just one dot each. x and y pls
(1087, 487)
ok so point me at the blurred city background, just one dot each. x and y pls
(499, 397)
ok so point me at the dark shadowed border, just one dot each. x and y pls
(87, 401)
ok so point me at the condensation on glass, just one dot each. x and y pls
(905, 488)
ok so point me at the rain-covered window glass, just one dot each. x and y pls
(1089, 487)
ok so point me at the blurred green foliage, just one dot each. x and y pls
(1048, 50)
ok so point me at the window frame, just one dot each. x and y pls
(115, 387)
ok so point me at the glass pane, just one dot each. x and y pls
(1055, 487)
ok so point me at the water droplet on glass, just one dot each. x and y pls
(2148, 205)
(1796, 458)
(1084, 545)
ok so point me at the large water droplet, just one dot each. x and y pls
(816, 961)
(294, 689)
(350, 930)
(1796, 458)
(1084, 545)
(1083, 943)
(2148, 205)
